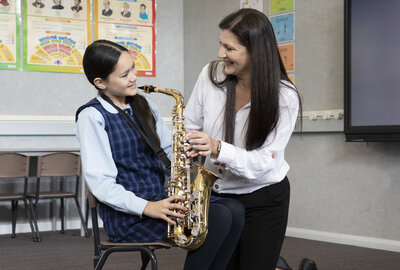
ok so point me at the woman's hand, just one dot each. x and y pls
(163, 209)
(200, 143)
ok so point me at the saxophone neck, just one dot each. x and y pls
(168, 91)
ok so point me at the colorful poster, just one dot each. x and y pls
(283, 27)
(130, 23)
(56, 34)
(281, 5)
(9, 35)
(255, 4)
(287, 54)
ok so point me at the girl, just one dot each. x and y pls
(243, 111)
(125, 175)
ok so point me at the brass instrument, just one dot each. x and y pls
(191, 231)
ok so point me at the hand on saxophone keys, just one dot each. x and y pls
(166, 209)
(200, 143)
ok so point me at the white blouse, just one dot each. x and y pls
(241, 171)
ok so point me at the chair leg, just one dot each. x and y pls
(96, 261)
(145, 260)
(81, 216)
(28, 214)
(152, 257)
(102, 260)
(62, 215)
(33, 209)
(87, 212)
(14, 214)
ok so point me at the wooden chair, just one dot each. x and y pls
(14, 166)
(146, 249)
(54, 166)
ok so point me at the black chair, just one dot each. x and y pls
(14, 166)
(54, 166)
(146, 249)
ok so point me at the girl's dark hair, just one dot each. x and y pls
(99, 61)
(254, 31)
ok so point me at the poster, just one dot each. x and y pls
(56, 34)
(281, 5)
(283, 27)
(9, 35)
(287, 54)
(130, 23)
(255, 4)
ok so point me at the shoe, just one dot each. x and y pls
(282, 264)
(307, 264)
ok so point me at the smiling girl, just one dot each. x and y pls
(125, 174)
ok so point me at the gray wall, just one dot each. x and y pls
(50, 93)
(337, 187)
(60, 94)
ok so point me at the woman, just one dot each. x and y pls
(125, 175)
(242, 112)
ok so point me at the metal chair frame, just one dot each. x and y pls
(146, 249)
(57, 165)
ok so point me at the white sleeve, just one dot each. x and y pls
(99, 167)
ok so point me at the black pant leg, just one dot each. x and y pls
(229, 246)
(220, 220)
(264, 229)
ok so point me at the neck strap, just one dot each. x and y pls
(144, 130)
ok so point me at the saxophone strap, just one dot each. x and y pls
(144, 130)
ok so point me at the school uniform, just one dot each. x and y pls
(122, 171)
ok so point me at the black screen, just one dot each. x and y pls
(372, 70)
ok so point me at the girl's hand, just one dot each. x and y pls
(163, 209)
(200, 143)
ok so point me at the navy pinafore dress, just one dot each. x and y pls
(139, 171)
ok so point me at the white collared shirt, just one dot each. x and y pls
(241, 171)
(98, 166)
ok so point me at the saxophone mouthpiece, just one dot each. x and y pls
(148, 88)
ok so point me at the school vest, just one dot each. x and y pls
(139, 171)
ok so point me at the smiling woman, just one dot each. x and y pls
(242, 112)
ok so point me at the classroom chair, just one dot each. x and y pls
(146, 249)
(55, 166)
(14, 167)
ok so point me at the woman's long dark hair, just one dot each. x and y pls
(254, 31)
(99, 61)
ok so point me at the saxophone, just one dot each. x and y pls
(191, 231)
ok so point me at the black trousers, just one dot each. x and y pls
(226, 220)
(266, 215)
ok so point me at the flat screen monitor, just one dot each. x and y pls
(372, 70)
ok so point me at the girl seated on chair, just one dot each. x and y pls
(126, 176)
